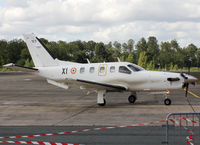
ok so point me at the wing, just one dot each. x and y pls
(87, 85)
(100, 86)
(20, 68)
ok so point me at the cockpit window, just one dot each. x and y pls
(123, 69)
(135, 68)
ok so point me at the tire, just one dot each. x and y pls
(167, 101)
(132, 99)
(103, 104)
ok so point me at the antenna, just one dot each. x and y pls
(88, 61)
(118, 59)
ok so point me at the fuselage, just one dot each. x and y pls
(129, 75)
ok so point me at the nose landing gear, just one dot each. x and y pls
(167, 101)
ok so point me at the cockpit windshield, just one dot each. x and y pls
(135, 67)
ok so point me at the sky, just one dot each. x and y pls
(102, 20)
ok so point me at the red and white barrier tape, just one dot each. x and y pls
(78, 131)
(189, 138)
(37, 143)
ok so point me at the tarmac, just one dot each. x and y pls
(29, 104)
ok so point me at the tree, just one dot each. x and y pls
(166, 55)
(117, 45)
(3, 52)
(198, 58)
(140, 46)
(191, 55)
(130, 57)
(100, 52)
(142, 61)
(130, 45)
(152, 50)
(151, 65)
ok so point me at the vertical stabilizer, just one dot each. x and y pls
(39, 52)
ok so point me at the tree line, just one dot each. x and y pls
(147, 53)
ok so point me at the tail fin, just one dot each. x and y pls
(39, 52)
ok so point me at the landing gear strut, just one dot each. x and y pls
(100, 98)
(132, 98)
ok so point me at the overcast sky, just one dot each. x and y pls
(102, 20)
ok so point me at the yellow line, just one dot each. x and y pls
(193, 94)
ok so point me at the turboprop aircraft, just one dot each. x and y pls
(100, 77)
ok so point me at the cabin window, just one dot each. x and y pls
(112, 69)
(134, 67)
(102, 69)
(82, 70)
(91, 69)
(123, 69)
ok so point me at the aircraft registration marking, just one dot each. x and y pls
(64, 71)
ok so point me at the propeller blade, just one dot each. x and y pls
(186, 91)
(183, 75)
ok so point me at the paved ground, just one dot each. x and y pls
(128, 136)
(125, 136)
(29, 105)
(28, 100)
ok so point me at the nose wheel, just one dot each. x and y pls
(167, 101)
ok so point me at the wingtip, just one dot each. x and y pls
(9, 65)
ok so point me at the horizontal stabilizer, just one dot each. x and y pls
(61, 85)
(20, 68)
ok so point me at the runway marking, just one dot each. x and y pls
(193, 94)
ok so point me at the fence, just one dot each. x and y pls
(183, 128)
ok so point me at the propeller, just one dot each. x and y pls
(185, 85)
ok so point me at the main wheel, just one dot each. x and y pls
(104, 103)
(132, 99)
(167, 101)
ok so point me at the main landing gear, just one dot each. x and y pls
(100, 98)
(132, 98)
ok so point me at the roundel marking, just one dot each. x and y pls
(73, 70)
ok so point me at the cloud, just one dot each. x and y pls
(102, 20)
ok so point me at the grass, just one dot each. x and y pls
(3, 69)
